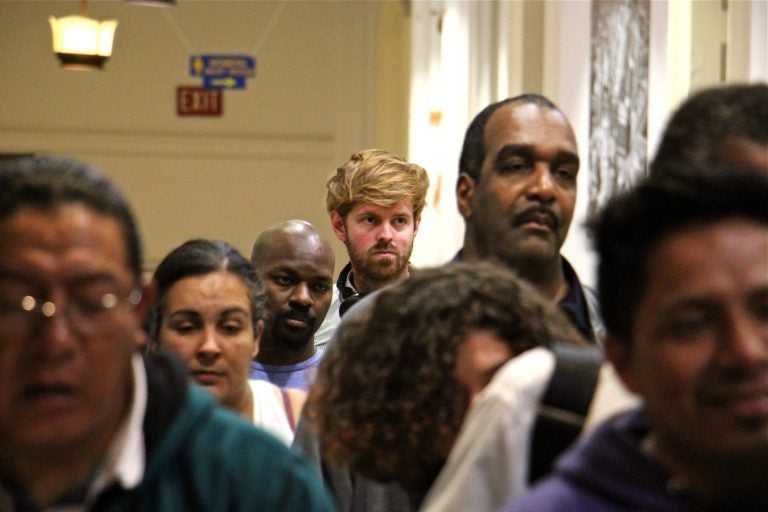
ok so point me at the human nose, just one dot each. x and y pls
(386, 231)
(301, 295)
(541, 184)
(55, 335)
(744, 344)
(209, 345)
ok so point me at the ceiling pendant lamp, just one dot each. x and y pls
(81, 42)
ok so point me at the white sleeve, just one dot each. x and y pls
(488, 464)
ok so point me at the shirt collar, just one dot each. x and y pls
(125, 460)
(344, 284)
(574, 304)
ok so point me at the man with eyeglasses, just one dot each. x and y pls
(86, 422)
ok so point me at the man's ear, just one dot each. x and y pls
(339, 229)
(465, 190)
(619, 354)
(142, 311)
(257, 332)
(416, 223)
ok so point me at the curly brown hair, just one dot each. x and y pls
(386, 402)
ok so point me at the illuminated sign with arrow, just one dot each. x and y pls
(225, 82)
(223, 71)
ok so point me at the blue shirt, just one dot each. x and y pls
(297, 376)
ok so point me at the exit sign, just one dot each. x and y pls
(199, 101)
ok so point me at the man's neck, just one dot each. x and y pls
(273, 353)
(546, 276)
(46, 480)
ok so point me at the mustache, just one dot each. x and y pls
(384, 246)
(537, 214)
(295, 314)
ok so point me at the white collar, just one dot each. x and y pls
(125, 460)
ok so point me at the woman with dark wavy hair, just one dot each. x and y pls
(211, 310)
(406, 364)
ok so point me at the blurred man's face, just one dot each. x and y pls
(699, 354)
(65, 370)
(744, 153)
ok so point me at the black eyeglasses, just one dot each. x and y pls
(19, 317)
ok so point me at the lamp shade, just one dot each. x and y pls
(81, 42)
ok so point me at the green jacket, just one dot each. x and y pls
(201, 457)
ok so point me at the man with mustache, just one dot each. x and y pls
(683, 281)
(517, 192)
(89, 421)
(375, 201)
(295, 263)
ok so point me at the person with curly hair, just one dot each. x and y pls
(89, 420)
(683, 281)
(408, 364)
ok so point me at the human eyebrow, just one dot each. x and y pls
(367, 214)
(282, 270)
(565, 157)
(93, 279)
(183, 313)
(234, 311)
(513, 150)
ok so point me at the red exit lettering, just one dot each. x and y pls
(198, 101)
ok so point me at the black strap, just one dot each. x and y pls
(349, 296)
(564, 406)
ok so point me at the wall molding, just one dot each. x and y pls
(167, 144)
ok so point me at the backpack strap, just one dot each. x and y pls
(563, 408)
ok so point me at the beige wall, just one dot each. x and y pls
(316, 98)
(333, 78)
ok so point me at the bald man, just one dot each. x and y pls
(296, 265)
